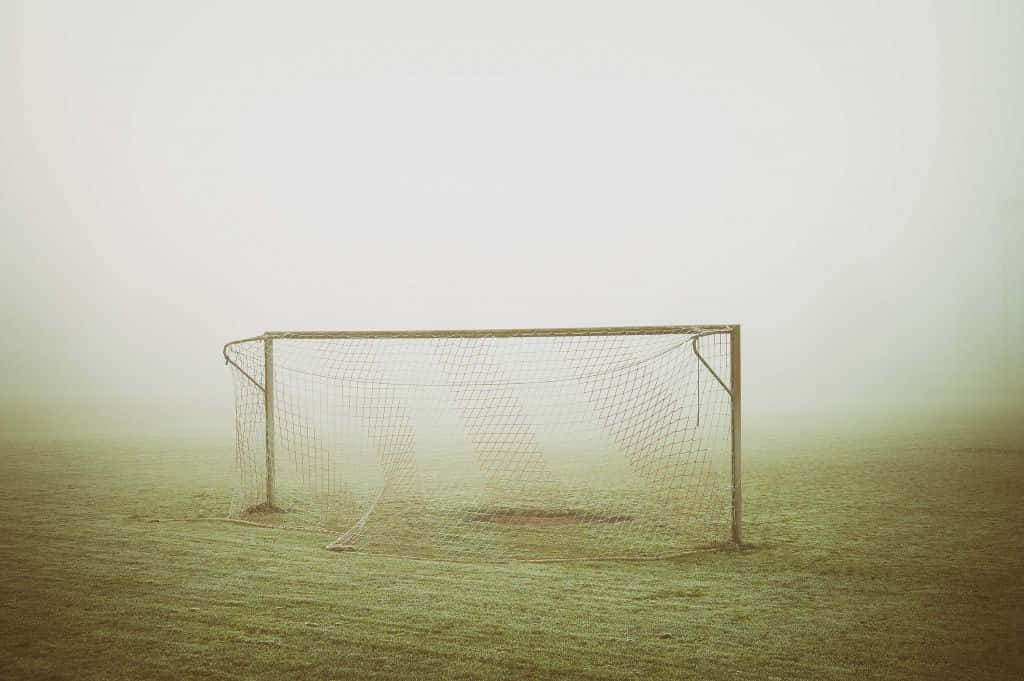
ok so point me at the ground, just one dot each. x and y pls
(882, 557)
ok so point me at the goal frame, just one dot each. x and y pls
(734, 389)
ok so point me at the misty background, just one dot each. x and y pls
(843, 179)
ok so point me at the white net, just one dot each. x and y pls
(479, 446)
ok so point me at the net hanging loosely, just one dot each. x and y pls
(447, 445)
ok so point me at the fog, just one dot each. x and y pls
(843, 179)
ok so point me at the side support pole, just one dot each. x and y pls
(268, 409)
(737, 489)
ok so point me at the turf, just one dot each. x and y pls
(894, 557)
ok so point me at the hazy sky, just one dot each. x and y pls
(842, 178)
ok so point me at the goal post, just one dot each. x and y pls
(268, 416)
(735, 433)
(494, 444)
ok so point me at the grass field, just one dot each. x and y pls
(897, 557)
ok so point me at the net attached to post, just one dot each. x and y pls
(490, 445)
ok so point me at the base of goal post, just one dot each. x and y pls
(264, 508)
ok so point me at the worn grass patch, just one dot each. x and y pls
(890, 558)
(542, 517)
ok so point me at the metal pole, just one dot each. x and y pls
(268, 408)
(737, 490)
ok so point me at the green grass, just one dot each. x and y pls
(898, 558)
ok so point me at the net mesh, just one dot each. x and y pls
(480, 448)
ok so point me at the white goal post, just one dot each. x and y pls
(494, 444)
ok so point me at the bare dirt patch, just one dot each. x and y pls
(543, 517)
(264, 508)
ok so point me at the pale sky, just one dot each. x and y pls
(844, 179)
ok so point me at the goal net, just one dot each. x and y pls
(492, 445)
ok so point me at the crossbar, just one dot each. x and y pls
(506, 333)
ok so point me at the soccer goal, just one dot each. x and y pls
(501, 444)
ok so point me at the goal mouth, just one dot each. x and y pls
(492, 444)
(542, 517)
